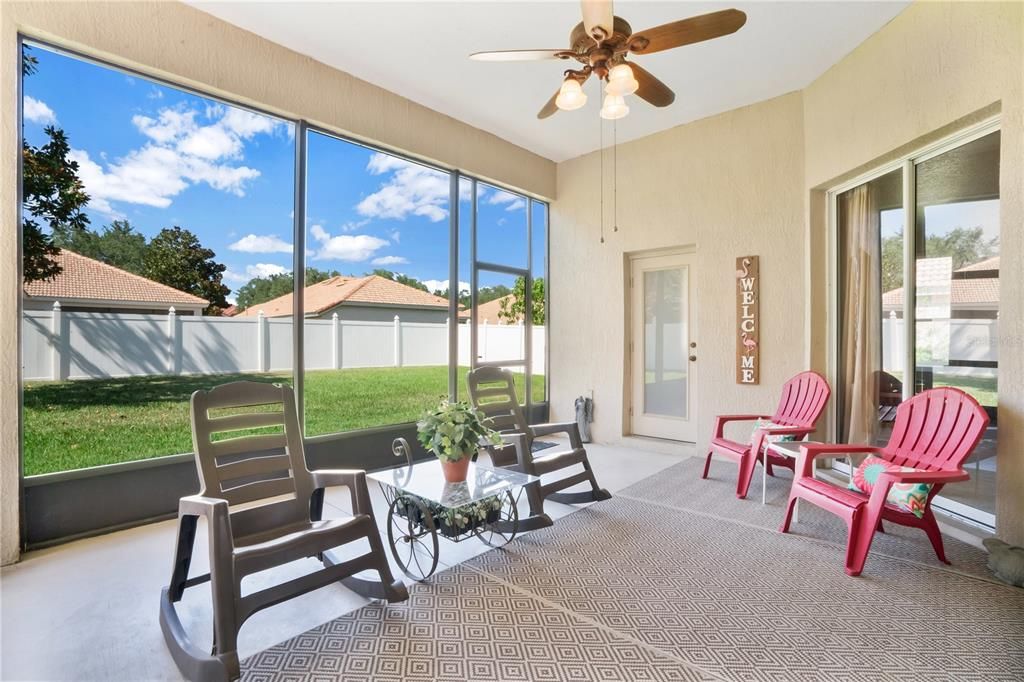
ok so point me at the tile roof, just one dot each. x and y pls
(88, 279)
(987, 264)
(491, 310)
(964, 292)
(371, 289)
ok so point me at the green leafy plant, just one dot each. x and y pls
(452, 521)
(454, 430)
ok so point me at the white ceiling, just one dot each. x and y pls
(419, 50)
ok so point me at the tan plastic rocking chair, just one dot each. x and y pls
(493, 392)
(281, 521)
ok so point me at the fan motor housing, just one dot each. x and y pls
(581, 43)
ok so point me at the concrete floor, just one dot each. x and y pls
(87, 610)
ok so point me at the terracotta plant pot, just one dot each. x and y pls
(455, 472)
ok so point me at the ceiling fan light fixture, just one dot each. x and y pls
(570, 95)
(614, 107)
(621, 81)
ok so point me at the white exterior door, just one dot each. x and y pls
(662, 347)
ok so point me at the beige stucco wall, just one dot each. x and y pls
(750, 182)
(732, 186)
(190, 47)
(935, 67)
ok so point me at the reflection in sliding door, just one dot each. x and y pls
(946, 329)
(957, 303)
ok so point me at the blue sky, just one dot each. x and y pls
(158, 157)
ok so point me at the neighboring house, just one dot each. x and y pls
(974, 292)
(87, 285)
(491, 311)
(368, 299)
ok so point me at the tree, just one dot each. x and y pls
(512, 309)
(401, 279)
(488, 294)
(52, 194)
(263, 289)
(964, 245)
(175, 257)
(119, 245)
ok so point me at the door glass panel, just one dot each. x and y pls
(871, 353)
(501, 332)
(665, 338)
(957, 303)
(501, 226)
(538, 260)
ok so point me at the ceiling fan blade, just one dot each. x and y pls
(598, 16)
(549, 108)
(518, 55)
(652, 89)
(687, 31)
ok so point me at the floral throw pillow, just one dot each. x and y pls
(909, 497)
(768, 424)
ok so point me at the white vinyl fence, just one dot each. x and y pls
(74, 345)
(970, 340)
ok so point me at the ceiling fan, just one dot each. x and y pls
(601, 43)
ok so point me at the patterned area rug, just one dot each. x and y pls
(642, 588)
(681, 487)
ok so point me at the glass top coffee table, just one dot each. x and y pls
(422, 506)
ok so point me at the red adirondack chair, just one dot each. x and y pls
(803, 400)
(934, 432)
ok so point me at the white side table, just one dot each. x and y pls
(791, 450)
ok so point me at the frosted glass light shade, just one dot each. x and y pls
(621, 81)
(614, 107)
(570, 95)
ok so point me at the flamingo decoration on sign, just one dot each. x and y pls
(748, 343)
(740, 274)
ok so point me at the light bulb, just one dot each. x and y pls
(570, 95)
(621, 81)
(614, 107)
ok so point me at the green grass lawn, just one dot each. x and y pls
(983, 389)
(76, 424)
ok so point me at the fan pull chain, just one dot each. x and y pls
(615, 175)
(600, 124)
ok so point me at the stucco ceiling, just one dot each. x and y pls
(419, 50)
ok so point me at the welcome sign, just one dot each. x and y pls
(748, 321)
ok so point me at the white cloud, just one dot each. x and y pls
(352, 226)
(264, 270)
(411, 189)
(347, 247)
(436, 285)
(253, 271)
(37, 111)
(253, 243)
(390, 260)
(168, 126)
(319, 233)
(181, 152)
(513, 202)
(396, 237)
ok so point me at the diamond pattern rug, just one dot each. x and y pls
(636, 588)
(681, 487)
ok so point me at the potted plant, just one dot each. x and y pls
(453, 431)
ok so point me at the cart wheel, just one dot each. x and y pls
(501, 532)
(414, 545)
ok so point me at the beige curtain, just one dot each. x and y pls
(861, 314)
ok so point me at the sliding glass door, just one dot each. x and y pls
(918, 299)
